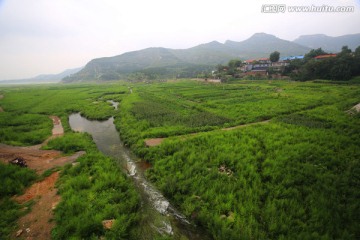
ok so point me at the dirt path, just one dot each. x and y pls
(152, 142)
(37, 223)
(354, 110)
(245, 125)
(37, 159)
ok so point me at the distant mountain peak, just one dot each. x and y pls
(328, 43)
(263, 35)
(313, 36)
(211, 44)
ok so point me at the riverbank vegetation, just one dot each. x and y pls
(296, 177)
(92, 190)
(14, 180)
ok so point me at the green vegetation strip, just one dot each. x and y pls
(296, 177)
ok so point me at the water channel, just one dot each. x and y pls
(158, 215)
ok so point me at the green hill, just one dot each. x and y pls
(164, 62)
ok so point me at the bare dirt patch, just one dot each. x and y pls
(37, 224)
(39, 188)
(1, 109)
(58, 129)
(153, 142)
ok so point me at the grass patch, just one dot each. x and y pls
(71, 143)
(14, 180)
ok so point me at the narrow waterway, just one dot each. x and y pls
(158, 214)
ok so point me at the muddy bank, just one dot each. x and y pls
(36, 159)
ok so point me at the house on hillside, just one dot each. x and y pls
(262, 65)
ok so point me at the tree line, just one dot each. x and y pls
(342, 67)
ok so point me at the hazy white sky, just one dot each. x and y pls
(49, 36)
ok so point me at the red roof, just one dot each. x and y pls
(325, 56)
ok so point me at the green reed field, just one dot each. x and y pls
(296, 176)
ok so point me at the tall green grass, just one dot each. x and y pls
(14, 180)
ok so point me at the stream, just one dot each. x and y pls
(158, 215)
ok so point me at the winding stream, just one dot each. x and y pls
(158, 214)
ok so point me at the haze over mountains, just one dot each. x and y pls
(166, 62)
(43, 78)
(329, 44)
(185, 62)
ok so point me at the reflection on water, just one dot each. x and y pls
(159, 214)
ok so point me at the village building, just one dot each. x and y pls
(261, 66)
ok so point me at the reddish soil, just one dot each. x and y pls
(143, 165)
(152, 142)
(37, 223)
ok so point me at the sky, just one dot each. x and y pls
(49, 36)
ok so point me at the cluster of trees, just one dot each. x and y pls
(231, 70)
(344, 66)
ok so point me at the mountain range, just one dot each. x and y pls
(180, 62)
(188, 62)
(166, 62)
(43, 78)
(329, 44)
